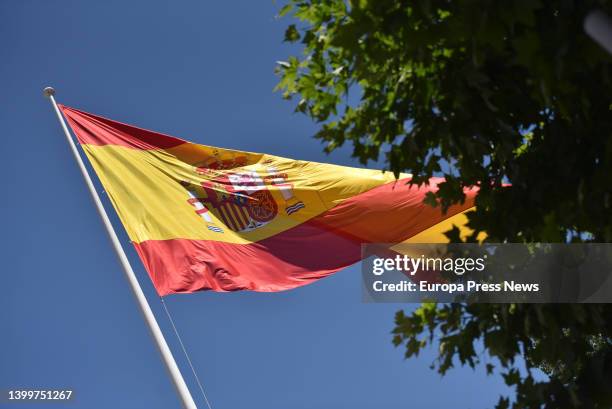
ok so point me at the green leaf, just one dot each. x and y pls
(292, 34)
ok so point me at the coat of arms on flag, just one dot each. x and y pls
(239, 198)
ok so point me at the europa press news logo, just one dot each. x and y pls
(240, 199)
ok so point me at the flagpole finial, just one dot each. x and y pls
(48, 91)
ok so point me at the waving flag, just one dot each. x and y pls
(206, 218)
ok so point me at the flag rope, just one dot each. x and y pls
(180, 340)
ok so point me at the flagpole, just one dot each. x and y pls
(158, 336)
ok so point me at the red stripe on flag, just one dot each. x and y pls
(96, 130)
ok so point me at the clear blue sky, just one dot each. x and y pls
(200, 70)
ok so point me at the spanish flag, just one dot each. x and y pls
(206, 218)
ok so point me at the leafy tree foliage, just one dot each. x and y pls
(512, 97)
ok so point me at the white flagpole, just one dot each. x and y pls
(158, 336)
